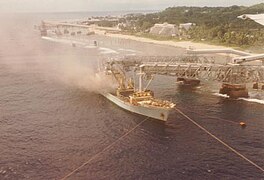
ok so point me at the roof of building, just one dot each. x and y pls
(259, 18)
(186, 26)
(164, 29)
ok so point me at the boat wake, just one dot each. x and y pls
(259, 101)
(221, 95)
(255, 98)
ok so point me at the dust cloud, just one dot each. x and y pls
(23, 54)
(73, 73)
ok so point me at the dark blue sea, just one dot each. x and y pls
(52, 120)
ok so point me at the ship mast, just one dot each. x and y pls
(140, 78)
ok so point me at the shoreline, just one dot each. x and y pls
(181, 44)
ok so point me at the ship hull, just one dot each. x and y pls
(152, 112)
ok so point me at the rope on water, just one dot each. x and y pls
(105, 149)
(219, 140)
(241, 123)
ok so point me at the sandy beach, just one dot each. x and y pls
(181, 44)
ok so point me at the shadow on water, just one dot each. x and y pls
(187, 94)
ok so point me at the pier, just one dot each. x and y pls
(64, 28)
(190, 70)
(196, 65)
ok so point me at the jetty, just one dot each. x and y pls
(238, 72)
(190, 70)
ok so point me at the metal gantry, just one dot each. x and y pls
(192, 67)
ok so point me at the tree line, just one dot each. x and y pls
(213, 24)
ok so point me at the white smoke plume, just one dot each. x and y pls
(73, 73)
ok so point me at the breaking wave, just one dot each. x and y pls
(64, 41)
(127, 50)
(107, 51)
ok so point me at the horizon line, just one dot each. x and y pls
(90, 11)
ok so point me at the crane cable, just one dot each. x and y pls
(219, 140)
(102, 151)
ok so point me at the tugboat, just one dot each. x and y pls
(137, 101)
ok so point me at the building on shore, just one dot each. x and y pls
(186, 26)
(165, 29)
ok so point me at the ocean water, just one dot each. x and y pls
(52, 120)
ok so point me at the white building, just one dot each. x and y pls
(186, 26)
(165, 29)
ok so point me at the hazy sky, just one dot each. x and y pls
(109, 5)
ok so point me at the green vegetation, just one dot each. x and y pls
(218, 25)
(106, 23)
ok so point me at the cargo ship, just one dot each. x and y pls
(139, 101)
(142, 103)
